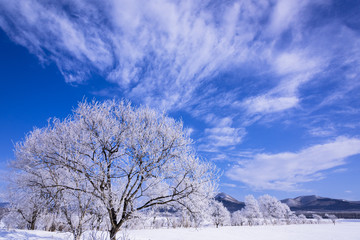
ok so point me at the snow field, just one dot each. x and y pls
(340, 231)
(346, 231)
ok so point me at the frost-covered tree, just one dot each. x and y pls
(251, 210)
(220, 216)
(129, 159)
(287, 213)
(24, 211)
(293, 219)
(332, 217)
(238, 218)
(53, 208)
(317, 217)
(302, 219)
(272, 208)
(27, 203)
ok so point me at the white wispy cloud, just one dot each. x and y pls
(285, 14)
(231, 185)
(296, 62)
(286, 171)
(161, 50)
(222, 134)
(294, 65)
(294, 68)
(267, 104)
(322, 131)
(340, 170)
(165, 50)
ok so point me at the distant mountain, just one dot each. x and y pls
(316, 203)
(304, 204)
(229, 202)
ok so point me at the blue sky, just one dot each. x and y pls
(269, 90)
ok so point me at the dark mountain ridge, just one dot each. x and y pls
(316, 203)
(229, 202)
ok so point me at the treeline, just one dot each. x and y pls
(338, 214)
(266, 210)
(263, 211)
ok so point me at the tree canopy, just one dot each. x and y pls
(118, 158)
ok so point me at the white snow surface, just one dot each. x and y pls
(33, 235)
(342, 230)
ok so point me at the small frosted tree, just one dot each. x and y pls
(271, 208)
(24, 211)
(27, 203)
(332, 217)
(238, 218)
(317, 217)
(220, 216)
(251, 210)
(293, 219)
(129, 159)
(286, 212)
(302, 219)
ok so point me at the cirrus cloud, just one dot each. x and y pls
(286, 171)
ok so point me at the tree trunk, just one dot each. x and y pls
(115, 226)
(113, 232)
(77, 237)
(77, 234)
(33, 220)
(32, 225)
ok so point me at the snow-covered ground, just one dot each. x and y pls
(342, 230)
